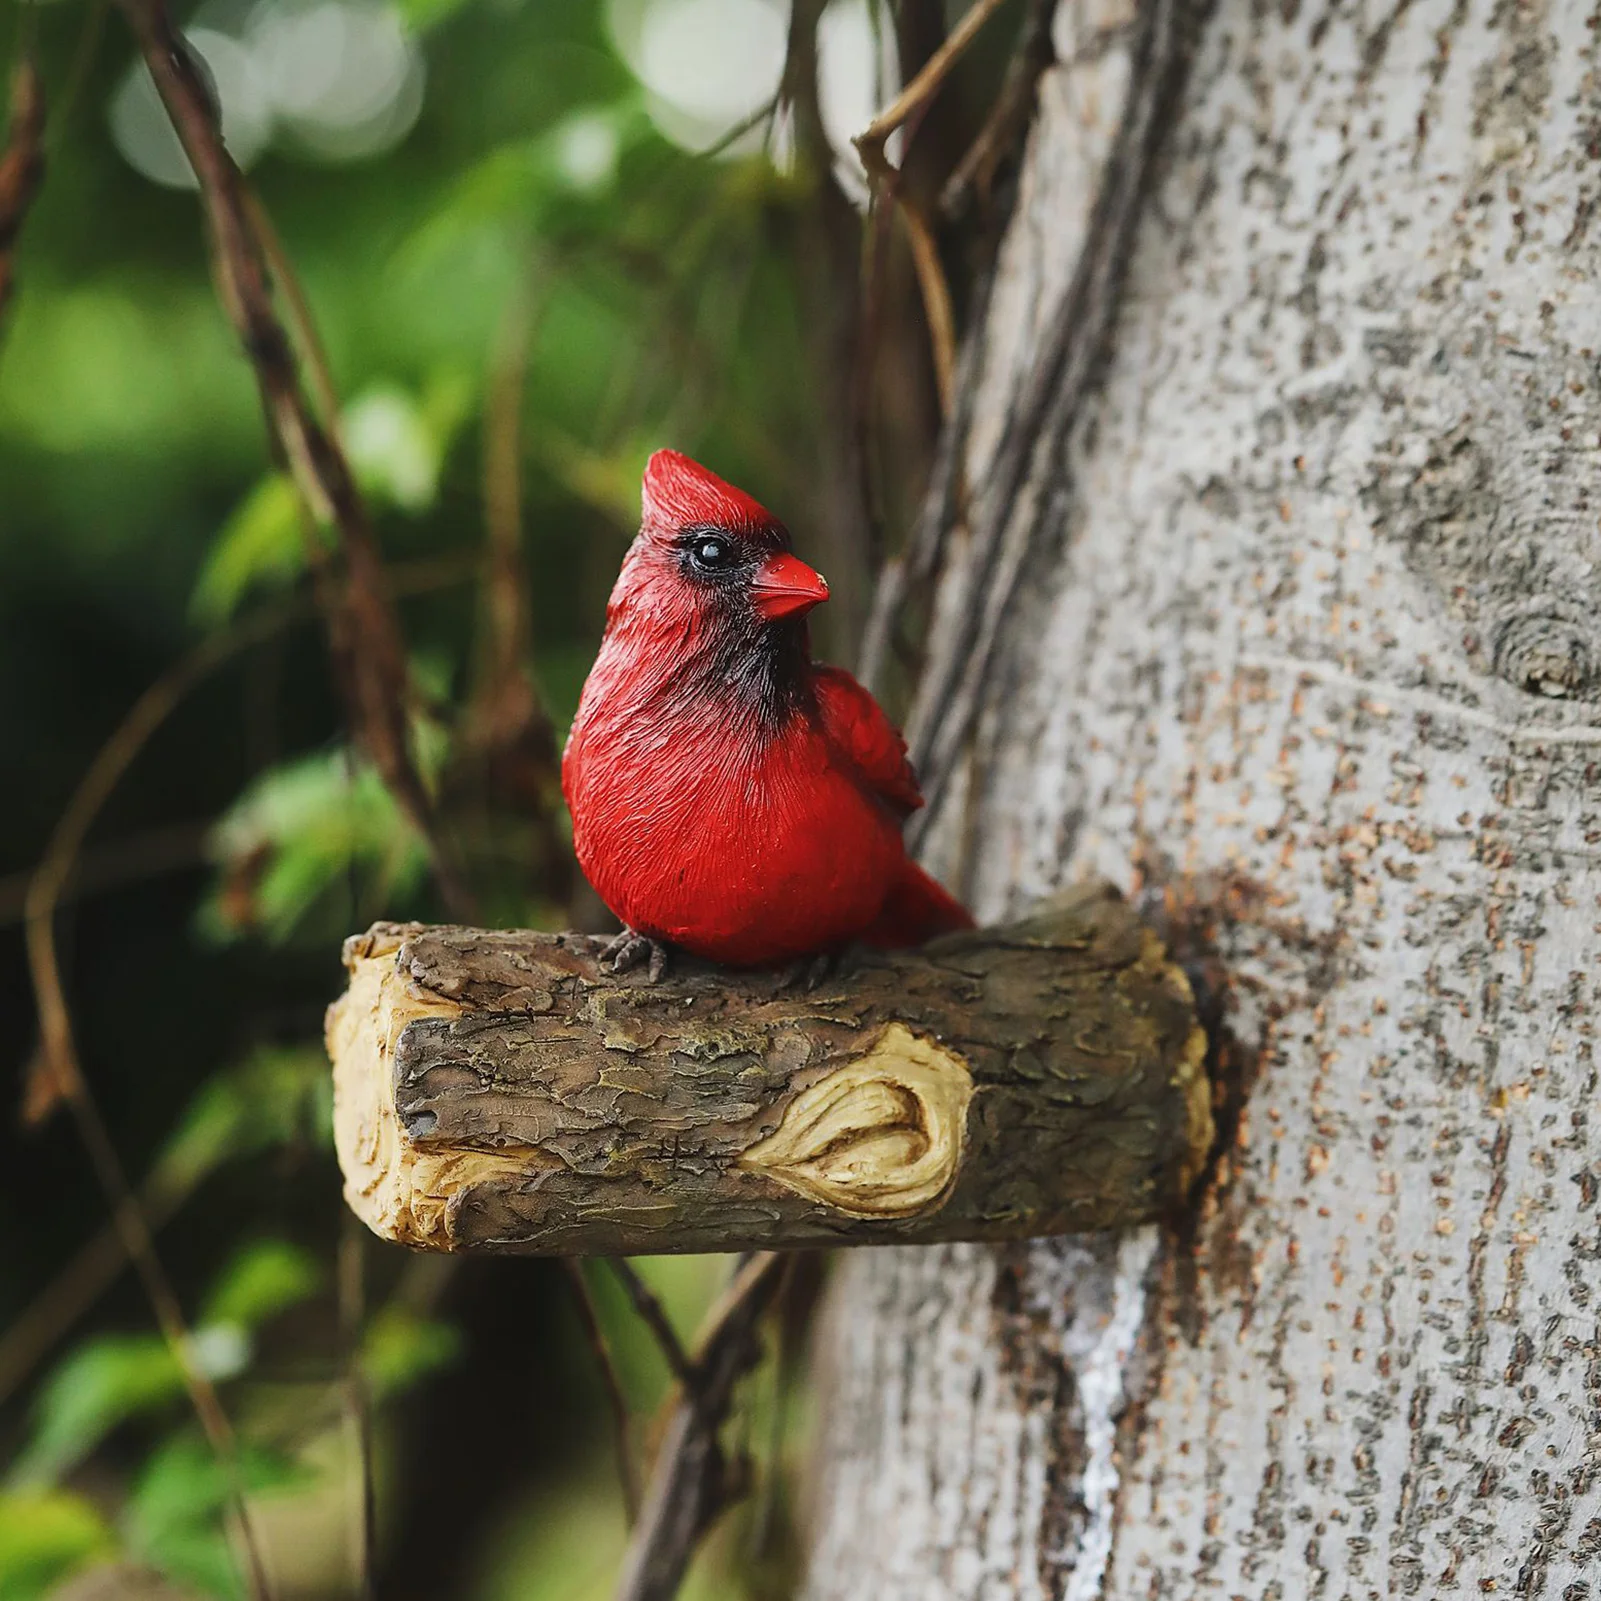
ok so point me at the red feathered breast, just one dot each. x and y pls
(736, 844)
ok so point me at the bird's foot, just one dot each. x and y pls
(809, 973)
(631, 949)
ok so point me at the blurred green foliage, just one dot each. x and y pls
(140, 513)
(662, 297)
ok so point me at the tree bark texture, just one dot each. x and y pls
(1289, 624)
(497, 1091)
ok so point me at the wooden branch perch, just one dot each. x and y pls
(495, 1091)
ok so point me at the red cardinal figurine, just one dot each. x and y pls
(730, 796)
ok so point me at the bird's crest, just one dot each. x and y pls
(679, 493)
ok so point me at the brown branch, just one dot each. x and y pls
(83, 61)
(795, 1301)
(356, 1397)
(870, 143)
(655, 1318)
(58, 1075)
(308, 341)
(97, 1263)
(616, 1401)
(21, 165)
(363, 632)
(830, 259)
(59, 1052)
(1009, 117)
(764, 113)
(1003, 524)
(148, 854)
(936, 302)
(692, 1481)
(1067, 1091)
(910, 105)
(910, 574)
(34, 1332)
(510, 629)
(57, 1063)
(506, 754)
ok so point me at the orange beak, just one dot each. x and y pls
(784, 586)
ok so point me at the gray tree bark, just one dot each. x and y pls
(1285, 618)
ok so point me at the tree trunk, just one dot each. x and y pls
(1287, 622)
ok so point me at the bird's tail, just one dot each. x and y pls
(916, 909)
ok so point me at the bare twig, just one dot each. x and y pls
(1003, 523)
(58, 1061)
(126, 861)
(936, 302)
(58, 1076)
(357, 1401)
(21, 164)
(763, 114)
(870, 143)
(692, 1481)
(510, 629)
(506, 697)
(830, 259)
(864, 370)
(83, 60)
(364, 635)
(795, 1298)
(911, 572)
(756, 1276)
(97, 1263)
(589, 1317)
(1009, 117)
(308, 341)
(506, 755)
(654, 1316)
(59, 1052)
(31, 1335)
(912, 103)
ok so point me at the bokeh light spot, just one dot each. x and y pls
(704, 64)
(344, 76)
(143, 133)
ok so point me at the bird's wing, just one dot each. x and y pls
(856, 724)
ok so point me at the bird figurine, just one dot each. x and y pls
(730, 796)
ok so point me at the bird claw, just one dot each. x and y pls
(631, 949)
(808, 973)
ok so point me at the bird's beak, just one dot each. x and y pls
(785, 586)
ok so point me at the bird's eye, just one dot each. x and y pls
(712, 553)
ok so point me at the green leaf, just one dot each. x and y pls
(265, 1278)
(175, 1514)
(297, 832)
(45, 1536)
(110, 1380)
(100, 1385)
(420, 15)
(277, 1095)
(263, 543)
(396, 443)
(400, 1348)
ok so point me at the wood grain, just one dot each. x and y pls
(496, 1091)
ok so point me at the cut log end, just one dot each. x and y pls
(496, 1091)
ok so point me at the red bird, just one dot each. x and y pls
(730, 796)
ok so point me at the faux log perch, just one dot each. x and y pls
(496, 1091)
